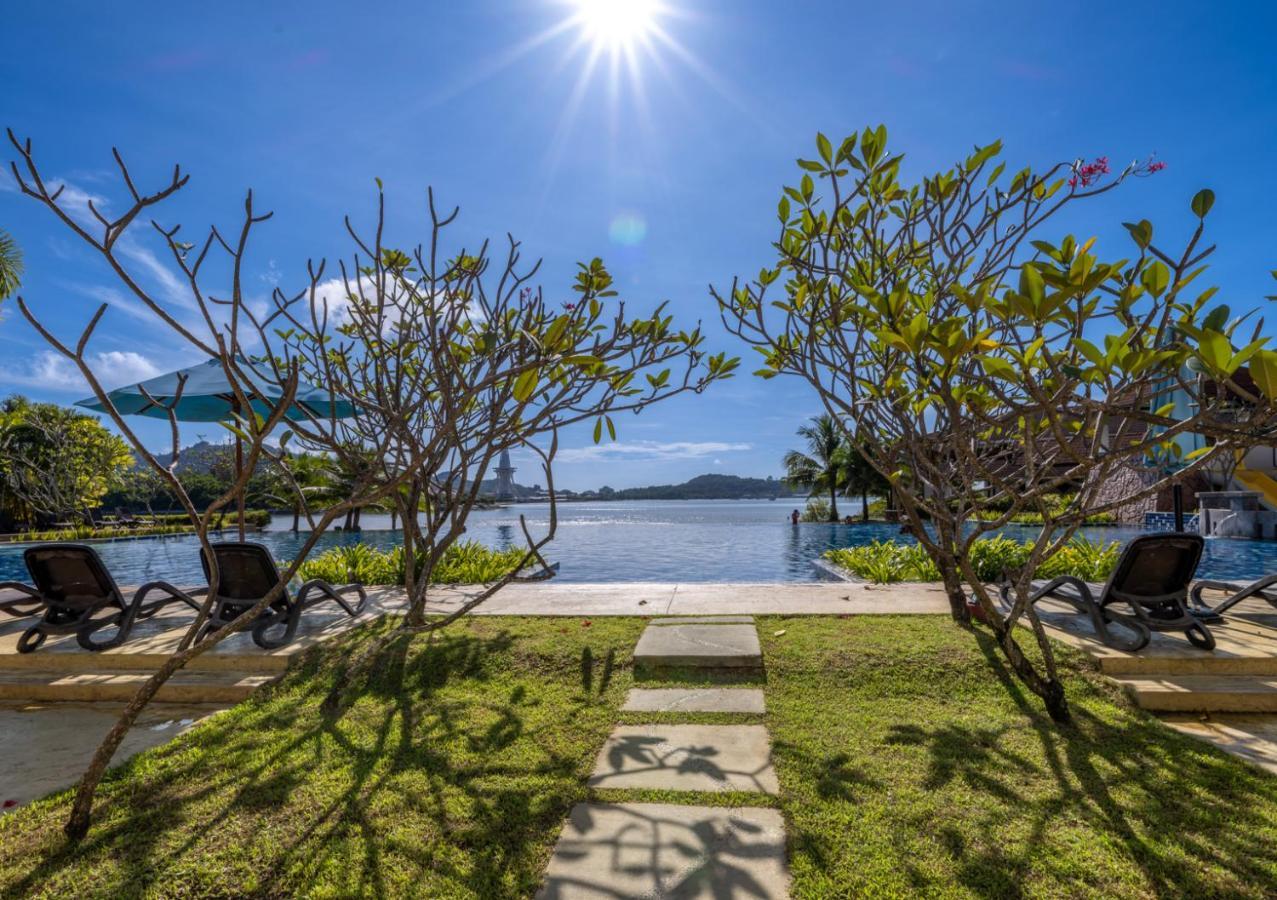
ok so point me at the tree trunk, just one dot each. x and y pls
(958, 608)
(297, 517)
(864, 505)
(1051, 690)
(833, 503)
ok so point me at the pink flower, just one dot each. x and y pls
(1086, 175)
(1156, 166)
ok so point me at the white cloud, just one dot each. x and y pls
(54, 372)
(113, 298)
(75, 201)
(648, 450)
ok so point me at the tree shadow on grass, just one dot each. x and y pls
(466, 766)
(1192, 820)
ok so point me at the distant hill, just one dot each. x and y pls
(201, 458)
(706, 487)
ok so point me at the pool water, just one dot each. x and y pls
(667, 541)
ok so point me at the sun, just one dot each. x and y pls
(617, 24)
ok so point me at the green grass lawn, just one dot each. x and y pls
(909, 763)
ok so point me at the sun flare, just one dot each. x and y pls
(617, 24)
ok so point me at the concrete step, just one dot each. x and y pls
(704, 758)
(35, 685)
(698, 644)
(1219, 663)
(75, 659)
(716, 700)
(1203, 693)
(660, 850)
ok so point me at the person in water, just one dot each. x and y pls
(794, 516)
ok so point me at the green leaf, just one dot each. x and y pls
(1141, 231)
(598, 430)
(525, 385)
(1216, 351)
(1263, 368)
(1217, 318)
(1156, 277)
(1031, 284)
(1203, 200)
(998, 367)
(826, 149)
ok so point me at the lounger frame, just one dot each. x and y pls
(1148, 612)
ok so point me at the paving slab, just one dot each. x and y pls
(724, 700)
(1251, 737)
(698, 646)
(709, 758)
(47, 746)
(554, 598)
(705, 620)
(655, 850)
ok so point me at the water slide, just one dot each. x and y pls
(1253, 480)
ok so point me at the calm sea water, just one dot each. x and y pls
(688, 541)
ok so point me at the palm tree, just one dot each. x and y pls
(821, 467)
(10, 264)
(858, 477)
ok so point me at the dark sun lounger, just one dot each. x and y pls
(1264, 588)
(247, 574)
(1152, 579)
(78, 596)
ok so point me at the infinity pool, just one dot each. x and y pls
(728, 540)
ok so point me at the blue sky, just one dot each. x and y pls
(669, 171)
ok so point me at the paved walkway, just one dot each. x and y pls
(692, 599)
(641, 850)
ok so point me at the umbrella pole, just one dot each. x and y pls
(239, 471)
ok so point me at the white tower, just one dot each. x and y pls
(505, 477)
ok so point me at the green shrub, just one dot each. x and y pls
(884, 562)
(148, 526)
(817, 510)
(467, 562)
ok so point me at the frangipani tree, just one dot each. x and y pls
(204, 313)
(453, 356)
(983, 369)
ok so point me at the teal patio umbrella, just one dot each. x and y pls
(207, 396)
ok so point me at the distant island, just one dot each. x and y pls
(710, 486)
(206, 458)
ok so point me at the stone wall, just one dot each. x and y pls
(1126, 481)
(1130, 479)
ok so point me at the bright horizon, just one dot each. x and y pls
(653, 133)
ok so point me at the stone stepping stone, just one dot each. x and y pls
(658, 850)
(702, 644)
(704, 620)
(724, 700)
(709, 758)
